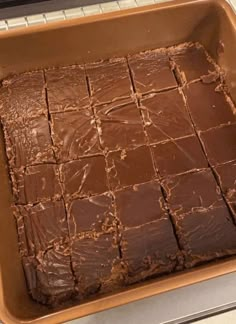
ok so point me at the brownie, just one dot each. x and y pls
(206, 235)
(131, 167)
(179, 156)
(74, 135)
(165, 116)
(192, 61)
(94, 262)
(192, 192)
(220, 144)
(91, 214)
(109, 80)
(140, 204)
(212, 109)
(28, 143)
(118, 173)
(84, 177)
(23, 96)
(149, 250)
(67, 89)
(226, 174)
(36, 183)
(120, 125)
(151, 71)
(50, 279)
(44, 224)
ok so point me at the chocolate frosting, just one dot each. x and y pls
(28, 143)
(120, 125)
(129, 167)
(219, 144)
(67, 89)
(179, 156)
(36, 183)
(121, 170)
(84, 177)
(192, 60)
(109, 80)
(208, 108)
(165, 116)
(144, 202)
(74, 135)
(151, 71)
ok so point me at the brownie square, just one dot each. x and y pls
(151, 71)
(149, 250)
(36, 183)
(28, 143)
(120, 125)
(179, 156)
(131, 167)
(74, 135)
(45, 224)
(192, 192)
(192, 61)
(23, 96)
(226, 174)
(84, 177)
(67, 89)
(93, 261)
(109, 80)
(206, 235)
(220, 144)
(91, 214)
(207, 106)
(50, 279)
(140, 204)
(165, 116)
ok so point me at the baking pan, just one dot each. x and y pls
(211, 22)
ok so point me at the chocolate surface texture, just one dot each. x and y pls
(121, 170)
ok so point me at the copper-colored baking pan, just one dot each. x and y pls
(211, 22)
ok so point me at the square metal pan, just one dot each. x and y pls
(211, 22)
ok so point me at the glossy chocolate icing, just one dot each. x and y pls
(66, 89)
(121, 170)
